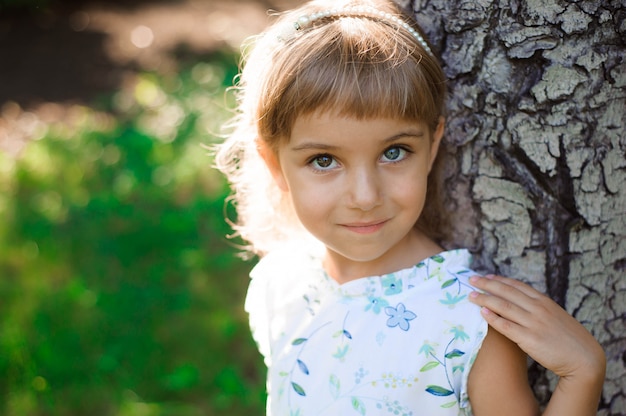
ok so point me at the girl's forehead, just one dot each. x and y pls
(329, 127)
(334, 117)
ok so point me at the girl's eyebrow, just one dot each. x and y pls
(313, 145)
(416, 134)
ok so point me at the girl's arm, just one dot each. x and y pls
(523, 317)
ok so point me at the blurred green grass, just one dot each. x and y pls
(119, 291)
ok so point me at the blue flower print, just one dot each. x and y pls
(459, 333)
(399, 317)
(375, 304)
(451, 301)
(391, 284)
(428, 349)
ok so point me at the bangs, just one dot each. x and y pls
(353, 71)
(362, 90)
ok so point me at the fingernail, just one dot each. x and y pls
(474, 295)
(474, 279)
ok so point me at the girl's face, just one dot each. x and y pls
(359, 187)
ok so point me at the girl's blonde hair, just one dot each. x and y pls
(359, 67)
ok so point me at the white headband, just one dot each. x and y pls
(305, 22)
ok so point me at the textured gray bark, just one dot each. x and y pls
(537, 126)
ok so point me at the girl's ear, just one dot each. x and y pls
(436, 141)
(270, 157)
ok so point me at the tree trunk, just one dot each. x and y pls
(537, 131)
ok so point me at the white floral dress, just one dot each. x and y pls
(398, 344)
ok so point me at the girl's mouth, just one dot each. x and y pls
(365, 227)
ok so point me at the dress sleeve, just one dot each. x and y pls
(476, 325)
(257, 305)
(478, 332)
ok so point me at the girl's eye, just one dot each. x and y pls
(323, 162)
(394, 154)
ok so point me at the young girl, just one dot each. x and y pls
(354, 305)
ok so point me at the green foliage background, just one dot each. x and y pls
(119, 292)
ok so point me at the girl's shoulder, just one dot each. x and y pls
(455, 262)
(291, 258)
(287, 259)
(456, 258)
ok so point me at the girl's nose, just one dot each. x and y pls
(365, 190)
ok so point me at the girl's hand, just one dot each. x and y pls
(541, 328)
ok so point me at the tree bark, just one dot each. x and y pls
(537, 134)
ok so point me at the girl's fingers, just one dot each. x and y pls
(506, 327)
(500, 295)
(506, 316)
(507, 306)
(490, 283)
(538, 325)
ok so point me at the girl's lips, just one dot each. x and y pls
(365, 228)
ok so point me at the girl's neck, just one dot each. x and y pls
(416, 248)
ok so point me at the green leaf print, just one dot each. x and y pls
(438, 391)
(448, 283)
(303, 367)
(439, 259)
(449, 405)
(455, 353)
(334, 385)
(342, 332)
(429, 366)
(358, 405)
(299, 341)
(298, 388)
